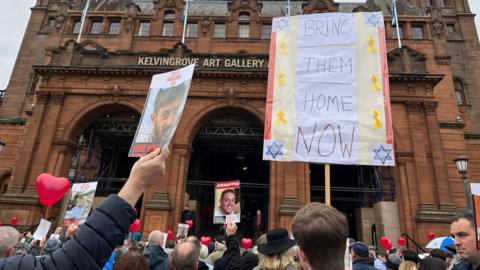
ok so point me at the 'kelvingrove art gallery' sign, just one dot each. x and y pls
(203, 62)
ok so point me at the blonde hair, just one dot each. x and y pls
(276, 261)
(407, 265)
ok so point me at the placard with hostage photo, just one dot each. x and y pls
(227, 202)
(80, 202)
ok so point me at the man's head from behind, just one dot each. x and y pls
(359, 251)
(156, 238)
(164, 112)
(321, 234)
(184, 257)
(9, 238)
(227, 201)
(463, 231)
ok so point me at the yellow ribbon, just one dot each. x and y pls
(280, 118)
(283, 47)
(376, 85)
(281, 78)
(376, 119)
(371, 45)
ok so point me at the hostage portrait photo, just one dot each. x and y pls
(80, 203)
(163, 109)
(227, 202)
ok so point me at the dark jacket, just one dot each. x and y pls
(465, 266)
(157, 258)
(362, 265)
(231, 259)
(92, 244)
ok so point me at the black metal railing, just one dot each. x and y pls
(410, 239)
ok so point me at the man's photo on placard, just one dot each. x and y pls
(227, 202)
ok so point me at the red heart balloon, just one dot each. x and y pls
(205, 240)
(51, 189)
(247, 243)
(1, 223)
(386, 243)
(14, 221)
(401, 241)
(189, 222)
(430, 235)
(169, 235)
(135, 226)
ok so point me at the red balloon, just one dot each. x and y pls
(1, 223)
(169, 235)
(430, 235)
(135, 226)
(247, 243)
(14, 221)
(386, 243)
(51, 189)
(205, 240)
(401, 241)
(189, 222)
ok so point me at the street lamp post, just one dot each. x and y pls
(2, 145)
(462, 164)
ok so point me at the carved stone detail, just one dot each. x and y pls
(132, 11)
(42, 97)
(231, 95)
(430, 107)
(413, 106)
(433, 213)
(205, 25)
(159, 200)
(57, 98)
(290, 205)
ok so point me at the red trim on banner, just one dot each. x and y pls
(386, 85)
(271, 82)
(141, 149)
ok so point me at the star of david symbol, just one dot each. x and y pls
(280, 25)
(274, 150)
(373, 20)
(382, 154)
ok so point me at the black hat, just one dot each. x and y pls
(277, 241)
(220, 239)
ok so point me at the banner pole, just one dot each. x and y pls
(327, 184)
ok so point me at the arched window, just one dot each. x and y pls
(168, 18)
(244, 25)
(460, 92)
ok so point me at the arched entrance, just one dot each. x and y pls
(103, 152)
(228, 147)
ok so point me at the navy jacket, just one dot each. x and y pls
(362, 265)
(90, 247)
(231, 259)
(157, 258)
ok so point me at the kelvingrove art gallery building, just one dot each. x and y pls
(72, 109)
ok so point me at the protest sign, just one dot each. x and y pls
(42, 229)
(227, 202)
(80, 202)
(163, 108)
(328, 93)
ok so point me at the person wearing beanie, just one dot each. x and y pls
(393, 261)
(359, 253)
(411, 256)
(51, 245)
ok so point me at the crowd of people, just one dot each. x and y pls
(319, 240)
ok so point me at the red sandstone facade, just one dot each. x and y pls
(59, 87)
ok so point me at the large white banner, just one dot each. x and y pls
(328, 93)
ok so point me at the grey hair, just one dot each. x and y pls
(156, 238)
(184, 257)
(9, 237)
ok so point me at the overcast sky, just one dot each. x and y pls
(14, 18)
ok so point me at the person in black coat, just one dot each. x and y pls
(154, 253)
(231, 259)
(107, 226)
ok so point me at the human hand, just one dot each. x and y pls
(145, 172)
(72, 229)
(231, 229)
(42, 243)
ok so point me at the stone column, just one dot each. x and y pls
(289, 190)
(177, 181)
(439, 164)
(423, 171)
(19, 179)
(42, 151)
